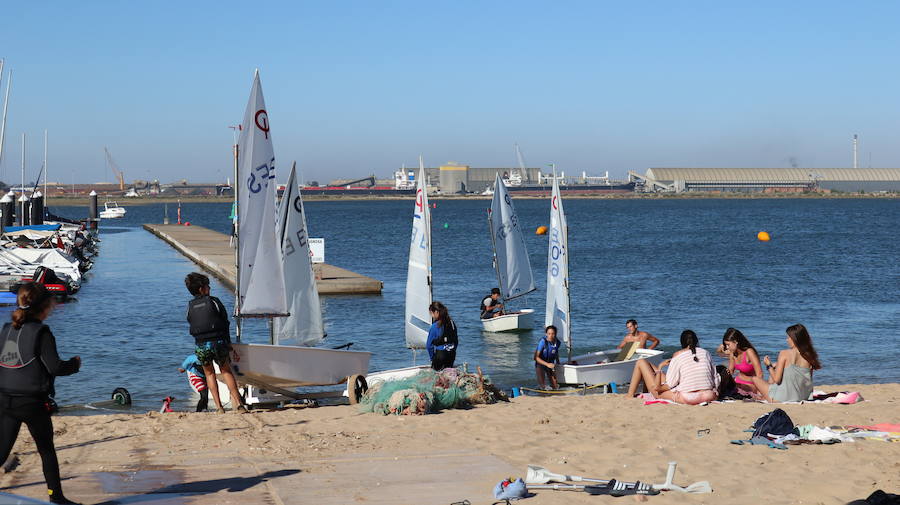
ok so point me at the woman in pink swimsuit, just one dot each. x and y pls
(743, 361)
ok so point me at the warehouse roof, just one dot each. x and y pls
(773, 174)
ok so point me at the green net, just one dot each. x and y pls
(430, 391)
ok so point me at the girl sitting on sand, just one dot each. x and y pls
(790, 378)
(690, 379)
(743, 359)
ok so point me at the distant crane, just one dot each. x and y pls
(115, 168)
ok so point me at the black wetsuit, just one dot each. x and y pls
(29, 363)
(445, 348)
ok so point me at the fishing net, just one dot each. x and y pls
(430, 391)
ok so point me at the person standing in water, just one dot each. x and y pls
(634, 335)
(442, 337)
(29, 363)
(546, 357)
(210, 329)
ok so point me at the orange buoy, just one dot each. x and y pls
(763, 236)
(541, 230)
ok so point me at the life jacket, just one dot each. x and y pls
(547, 351)
(449, 338)
(484, 308)
(207, 319)
(21, 370)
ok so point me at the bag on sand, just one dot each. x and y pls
(776, 423)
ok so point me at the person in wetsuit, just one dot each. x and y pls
(29, 363)
(491, 306)
(210, 329)
(442, 337)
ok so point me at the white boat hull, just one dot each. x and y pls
(519, 321)
(288, 366)
(395, 374)
(598, 367)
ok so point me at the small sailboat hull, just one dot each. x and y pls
(395, 374)
(598, 367)
(519, 321)
(288, 366)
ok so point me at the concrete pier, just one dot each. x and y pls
(212, 251)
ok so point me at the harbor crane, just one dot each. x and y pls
(120, 176)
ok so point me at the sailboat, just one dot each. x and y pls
(417, 318)
(514, 275)
(599, 367)
(275, 277)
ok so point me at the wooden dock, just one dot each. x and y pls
(212, 251)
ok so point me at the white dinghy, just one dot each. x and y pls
(600, 367)
(511, 263)
(275, 276)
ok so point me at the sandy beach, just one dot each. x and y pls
(337, 455)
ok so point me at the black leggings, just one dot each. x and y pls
(443, 359)
(15, 410)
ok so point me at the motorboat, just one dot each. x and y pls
(112, 210)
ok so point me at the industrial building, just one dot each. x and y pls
(769, 180)
(454, 178)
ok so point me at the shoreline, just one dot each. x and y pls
(136, 201)
(337, 455)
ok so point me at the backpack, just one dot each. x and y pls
(776, 423)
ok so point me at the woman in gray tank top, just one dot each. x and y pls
(790, 378)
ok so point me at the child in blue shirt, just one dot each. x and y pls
(546, 357)
(196, 379)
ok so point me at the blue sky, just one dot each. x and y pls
(360, 87)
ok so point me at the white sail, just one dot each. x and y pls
(304, 325)
(510, 254)
(557, 310)
(418, 277)
(261, 276)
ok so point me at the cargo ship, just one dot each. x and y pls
(404, 185)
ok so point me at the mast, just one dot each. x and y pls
(3, 123)
(427, 227)
(237, 245)
(494, 258)
(46, 195)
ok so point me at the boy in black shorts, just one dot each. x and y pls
(210, 329)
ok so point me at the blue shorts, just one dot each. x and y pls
(216, 350)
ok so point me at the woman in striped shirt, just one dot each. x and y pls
(691, 377)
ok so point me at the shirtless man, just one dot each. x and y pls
(637, 336)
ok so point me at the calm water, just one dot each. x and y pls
(671, 264)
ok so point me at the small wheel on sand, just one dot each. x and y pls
(356, 387)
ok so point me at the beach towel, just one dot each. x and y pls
(842, 397)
